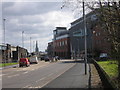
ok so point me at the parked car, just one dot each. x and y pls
(42, 57)
(33, 59)
(24, 62)
(46, 58)
(103, 56)
(57, 58)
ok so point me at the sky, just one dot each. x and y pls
(36, 19)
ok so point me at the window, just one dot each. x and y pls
(99, 33)
(66, 42)
(57, 43)
(60, 43)
(63, 43)
(96, 34)
(93, 17)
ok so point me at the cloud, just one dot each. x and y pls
(29, 8)
(37, 20)
(57, 18)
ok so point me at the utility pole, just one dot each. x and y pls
(23, 39)
(4, 40)
(4, 29)
(84, 19)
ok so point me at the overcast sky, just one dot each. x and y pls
(36, 19)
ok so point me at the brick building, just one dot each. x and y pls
(71, 43)
(100, 43)
(61, 42)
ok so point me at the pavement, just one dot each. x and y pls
(73, 78)
(95, 80)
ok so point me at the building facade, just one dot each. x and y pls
(9, 53)
(71, 43)
(101, 43)
(77, 36)
(61, 43)
(50, 49)
(2, 53)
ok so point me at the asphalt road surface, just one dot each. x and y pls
(72, 78)
(35, 76)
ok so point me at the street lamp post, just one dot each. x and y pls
(4, 29)
(84, 19)
(23, 39)
(4, 40)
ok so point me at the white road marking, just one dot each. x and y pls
(26, 86)
(2, 75)
(24, 68)
(25, 72)
(41, 79)
(50, 74)
(13, 75)
(36, 82)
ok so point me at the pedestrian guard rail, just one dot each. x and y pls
(106, 80)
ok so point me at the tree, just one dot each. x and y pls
(109, 17)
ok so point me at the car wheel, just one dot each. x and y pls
(26, 65)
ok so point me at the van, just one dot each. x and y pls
(34, 59)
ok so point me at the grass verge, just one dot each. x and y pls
(111, 68)
(7, 64)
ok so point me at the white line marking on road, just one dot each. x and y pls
(13, 75)
(26, 86)
(2, 74)
(24, 68)
(50, 74)
(41, 79)
(25, 72)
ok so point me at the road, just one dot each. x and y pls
(73, 78)
(35, 76)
